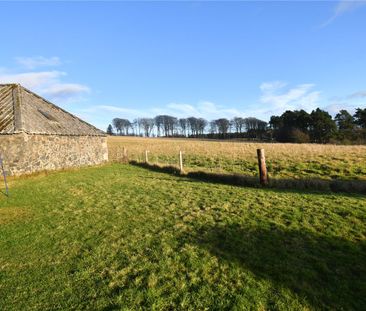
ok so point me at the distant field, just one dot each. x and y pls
(283, 160)
(119, 237)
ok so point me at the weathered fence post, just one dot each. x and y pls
(181, 161)
(118, 154)
(4, 175)
(146, 156)
(125, 155)
(263, 176)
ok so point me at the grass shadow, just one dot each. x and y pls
(312, 184)
(328, 272)
(158, 168)
(4, 192)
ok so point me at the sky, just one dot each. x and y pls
(101, 60)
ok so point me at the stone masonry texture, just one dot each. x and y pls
(27, 153)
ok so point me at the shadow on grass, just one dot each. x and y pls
(4, 193)
(335, 185)
(328, 272)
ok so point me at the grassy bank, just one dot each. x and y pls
(283, 160)
(123, 237)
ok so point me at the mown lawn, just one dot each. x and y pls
(122, 237)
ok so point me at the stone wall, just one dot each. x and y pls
(24, 154)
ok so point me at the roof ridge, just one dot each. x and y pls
(10, 84)
(17, 102)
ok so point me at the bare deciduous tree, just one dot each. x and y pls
(147, 125)
(222, 125)
(238, 124)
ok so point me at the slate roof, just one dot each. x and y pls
(24, 111)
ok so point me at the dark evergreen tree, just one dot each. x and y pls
(322, 126)
(276, 122)
(344, 120)
(110, 129)
(360, 117)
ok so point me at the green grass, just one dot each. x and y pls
(122, 237)
(317, 168)
(290, 161)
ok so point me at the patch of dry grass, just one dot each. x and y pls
(13, 214)
(283, 160)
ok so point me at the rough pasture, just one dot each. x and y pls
(125, 238)
(283, 160)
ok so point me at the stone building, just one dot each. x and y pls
(36, 135)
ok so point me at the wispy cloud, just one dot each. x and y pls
(278, 97)
(204, 109)
(272, 86)
(47, 83)
(349, 102)
(38, 61)
(342, 7)
(65, 90)
(359, 94)
(275, 98)
(113, 109)
(32, 80)
(102, 115)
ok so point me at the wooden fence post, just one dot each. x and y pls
(125, 155)
(146, 156)
(263, 176)
(181, 161)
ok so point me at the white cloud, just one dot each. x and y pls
(334, 107)
(48, 84)
(38, 61)
(183, 109)
(32, 80)
(65, 90)
(277, 97)
(204, 109)
(349, 102)
(342, 7)
(272, 86)
(102, 115)
(113, 109)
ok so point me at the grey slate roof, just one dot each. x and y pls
(24, 111)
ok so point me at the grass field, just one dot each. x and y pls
(283, 160)
(123, 237)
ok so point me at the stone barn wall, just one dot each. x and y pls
(24, 154)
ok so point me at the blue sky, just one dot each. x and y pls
(101, 60)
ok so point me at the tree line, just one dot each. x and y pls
(319, 127)
(296, 126)
(169, 126)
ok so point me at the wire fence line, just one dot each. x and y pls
(283, 160)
